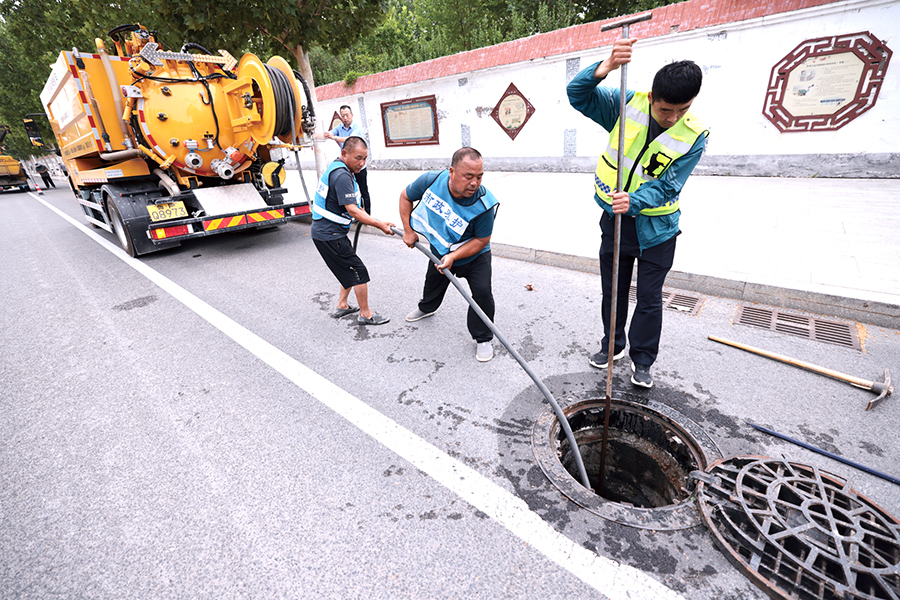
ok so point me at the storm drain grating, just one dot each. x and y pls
(674, 301)
(830, 332)
(800, 533)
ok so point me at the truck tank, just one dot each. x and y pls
(165, 146)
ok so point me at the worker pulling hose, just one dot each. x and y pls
(563, 421)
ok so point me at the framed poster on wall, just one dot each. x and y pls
(411, 122)
(825, 83)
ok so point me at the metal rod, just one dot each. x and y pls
(614, 291)
(563, 421)
(828, 454)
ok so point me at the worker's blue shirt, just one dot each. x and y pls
(344, 131)
(601, 105)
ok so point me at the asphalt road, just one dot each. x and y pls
(193, 424)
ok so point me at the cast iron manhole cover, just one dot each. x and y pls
(800, 533)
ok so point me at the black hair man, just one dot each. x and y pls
(456, 214)
(348, 128)
(663, 143)
(335, 204)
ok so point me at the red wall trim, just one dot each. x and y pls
(681, 17)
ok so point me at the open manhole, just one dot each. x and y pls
(800, 533)
(652, 451)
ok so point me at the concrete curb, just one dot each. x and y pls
(874, 313)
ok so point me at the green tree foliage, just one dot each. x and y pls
(414, 31)
(418, 30)
(24, 58)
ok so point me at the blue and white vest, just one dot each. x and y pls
(439, 218)
(318, 208)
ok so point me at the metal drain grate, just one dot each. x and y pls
(830, 332)
(800, 533)
(681, 302)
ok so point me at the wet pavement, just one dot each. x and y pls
(238, 445)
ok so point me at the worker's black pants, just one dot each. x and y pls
(478, 275)
(653, 266)
(48, 181)
(362, 179)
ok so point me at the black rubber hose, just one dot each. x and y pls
(830, 455)
(309, 102)
(285, 103)
(563, 421)
(356, 235)
(193, 46)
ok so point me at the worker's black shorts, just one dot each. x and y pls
(342, 260)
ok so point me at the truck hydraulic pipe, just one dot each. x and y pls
(167, 182)
(114, 88)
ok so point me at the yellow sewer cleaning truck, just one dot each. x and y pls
(12, 175)
(165, 146)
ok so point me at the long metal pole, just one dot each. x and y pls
(614, 292)
(563, 421)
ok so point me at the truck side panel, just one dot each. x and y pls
(78, 99)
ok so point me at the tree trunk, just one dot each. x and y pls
(302, 57)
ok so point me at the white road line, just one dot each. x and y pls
(609, 577)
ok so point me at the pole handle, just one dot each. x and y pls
(629, 21)
(857, 381)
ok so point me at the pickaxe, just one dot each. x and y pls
(882, 389)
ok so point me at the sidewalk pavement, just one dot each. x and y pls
(827, 246)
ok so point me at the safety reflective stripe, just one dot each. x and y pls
(417, 219)
(327, 214)
(674, 144)
(637, 115)
(666, 209)
(269, 215)
(224, 223)
(319, 201)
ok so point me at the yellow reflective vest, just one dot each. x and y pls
(670, 145)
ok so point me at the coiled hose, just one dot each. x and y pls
(285, 103)
(563, 421)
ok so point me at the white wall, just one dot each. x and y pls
(737, 60)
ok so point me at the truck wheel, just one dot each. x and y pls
(119, 227)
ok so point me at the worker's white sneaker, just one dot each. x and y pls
(484, 351)
(417, 315)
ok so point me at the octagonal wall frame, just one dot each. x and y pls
(825, 83)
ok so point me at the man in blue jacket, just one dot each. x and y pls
(663, 143)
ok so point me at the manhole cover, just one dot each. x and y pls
(652, 451)
(800, 533)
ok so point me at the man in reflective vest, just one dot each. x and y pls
(335, 205)
(455, 213)
(348, 128)
(663, 143)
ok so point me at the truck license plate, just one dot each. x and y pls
(172, 210)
